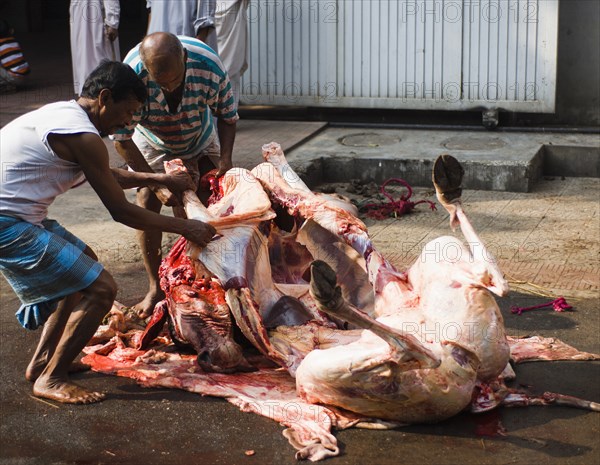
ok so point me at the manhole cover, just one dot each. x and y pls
(473, 143)
(368, 139)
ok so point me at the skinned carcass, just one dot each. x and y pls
(358, 343)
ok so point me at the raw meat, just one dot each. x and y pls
(343, 336)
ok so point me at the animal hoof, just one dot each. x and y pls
(447, 178)
(323, 281)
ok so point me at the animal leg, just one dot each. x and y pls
(273, 154)
(520, 399)
(194, 208)
(447, 178)
(328, 295)
(249, 319)
(536, 348)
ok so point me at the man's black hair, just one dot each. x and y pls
(119, 78)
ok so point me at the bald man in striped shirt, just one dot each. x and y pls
(187, 85)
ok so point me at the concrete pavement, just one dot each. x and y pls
(142, 426)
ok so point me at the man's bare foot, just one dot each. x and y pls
(34, 371)
(145, 308)
(65, 391)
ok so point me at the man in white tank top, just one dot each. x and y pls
(56, 275)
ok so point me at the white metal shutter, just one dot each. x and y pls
(403, 54)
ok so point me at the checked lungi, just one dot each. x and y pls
(43, 265)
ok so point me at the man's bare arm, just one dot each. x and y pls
(177, 182)
(134, 158)
(90, 153)
(132, 155)
(202, 33)
(226, 139)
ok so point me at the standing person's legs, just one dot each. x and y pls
(150, 244)
(151, 241)
(73, 325)
(205, 164)
(207, 161)
(52, 332)
(44, 265)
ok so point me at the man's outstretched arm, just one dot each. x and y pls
(176, 182)
(90, 153)
(136, 161)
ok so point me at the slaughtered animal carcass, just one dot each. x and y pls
(294, 277)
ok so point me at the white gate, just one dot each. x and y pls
(403, 54)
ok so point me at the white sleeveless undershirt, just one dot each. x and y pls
(32, 175)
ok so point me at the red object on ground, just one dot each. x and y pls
(403, 205)
(559, 305)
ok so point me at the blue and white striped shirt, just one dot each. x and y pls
(189, 130)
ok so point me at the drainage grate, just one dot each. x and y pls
(368, 139)
(473, 143)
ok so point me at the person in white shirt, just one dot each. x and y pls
(192, 18)
(231, 22)
(94, 36)
(58, 278)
